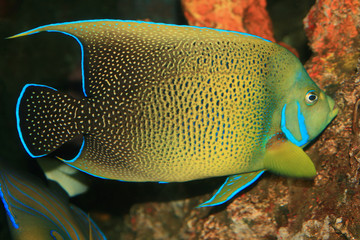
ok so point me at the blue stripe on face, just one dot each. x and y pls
(18, 117)
(302, 127)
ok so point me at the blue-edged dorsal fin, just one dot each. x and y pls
(232, 186)
(133, 54)
(287, 159)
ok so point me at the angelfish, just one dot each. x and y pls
(36, 210)
(172, 103)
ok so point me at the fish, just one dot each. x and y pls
(171, 103)
(36, 210)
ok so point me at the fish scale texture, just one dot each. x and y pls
(187, 103)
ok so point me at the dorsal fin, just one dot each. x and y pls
(132, 52)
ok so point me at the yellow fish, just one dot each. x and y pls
(175, 103)
(42, 212)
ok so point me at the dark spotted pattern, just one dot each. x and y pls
(164, 103)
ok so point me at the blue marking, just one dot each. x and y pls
(82, 57)
(21, 209)
(93, 224)
(41, 196)
(91, 174)
(11, 217)
(52, 235)
(302, 128)
(233, 194)
(77, 155)
(124, 21)
(18, 117)
(310, 91)
(163, 182)
(131, 21)
(54, 200)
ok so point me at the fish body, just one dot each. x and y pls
(41, 212)
(176, 103)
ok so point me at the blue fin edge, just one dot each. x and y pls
(7, 209)
(82, 57)
(18, 118)
(132, 21)
(77, 155)
(93, 224)
(55, 200)
(124, 21)
(68, 162)
(302, 127)
(232, 195)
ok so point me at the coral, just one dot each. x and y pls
(248, 16)
(333, 29)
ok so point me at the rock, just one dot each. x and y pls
(333, 29)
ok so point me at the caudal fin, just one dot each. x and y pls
(47, 118)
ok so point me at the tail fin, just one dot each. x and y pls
(46, 119)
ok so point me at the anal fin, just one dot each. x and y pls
(232, 186)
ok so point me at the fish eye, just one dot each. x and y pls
(311, 97)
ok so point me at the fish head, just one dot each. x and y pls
(307, 111)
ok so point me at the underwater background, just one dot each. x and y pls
(167, 211)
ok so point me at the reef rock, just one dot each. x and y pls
(332, 28)
(248, 16)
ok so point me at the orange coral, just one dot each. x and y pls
(333, 31)
(248, 16)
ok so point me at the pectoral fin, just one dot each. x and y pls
(232, 186)
(290, 160)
